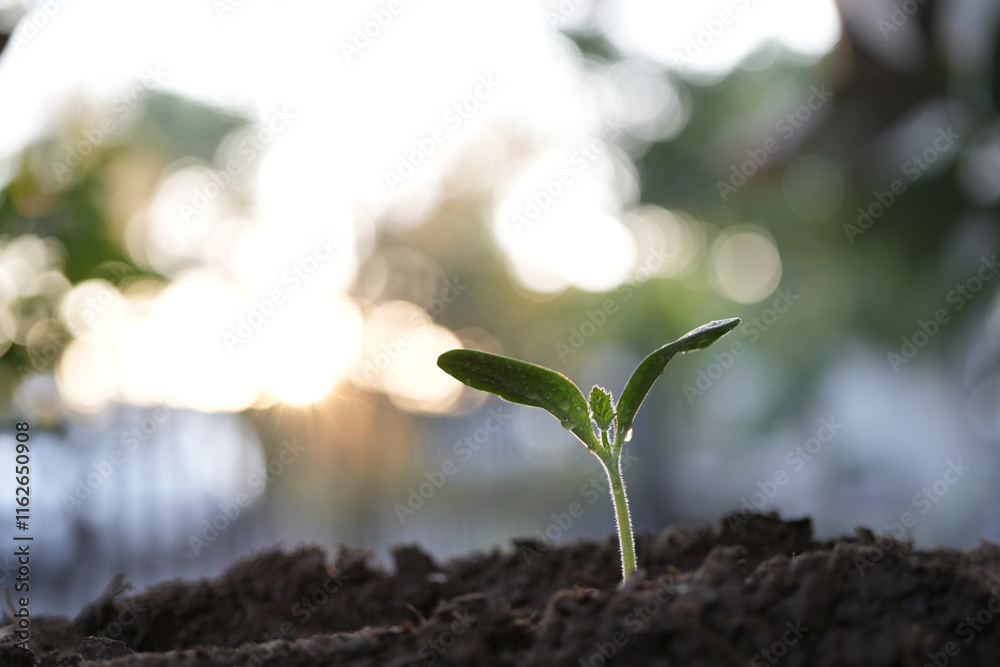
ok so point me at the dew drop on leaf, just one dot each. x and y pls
(628, 436)
(566, 424)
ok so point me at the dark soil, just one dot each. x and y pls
(757, 591)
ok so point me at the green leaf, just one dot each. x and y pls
(601, 407)
(524, 383)
(652, 367)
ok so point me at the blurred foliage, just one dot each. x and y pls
(75, 206)
(877, 287)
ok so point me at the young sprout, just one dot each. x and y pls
(601, 425)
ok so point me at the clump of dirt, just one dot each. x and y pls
(756, 590)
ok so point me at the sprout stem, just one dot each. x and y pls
(623, 516)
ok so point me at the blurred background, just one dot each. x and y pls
(234, 237)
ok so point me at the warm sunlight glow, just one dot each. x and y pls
(415, 382)
(556, 224)
(85, 376)
(241, 354)
(263, 240)
(186, 334)
(309, 349)
(401, 347)
(182, 218)
(281, 217)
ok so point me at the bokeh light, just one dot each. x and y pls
(400, 351)
(745, 266)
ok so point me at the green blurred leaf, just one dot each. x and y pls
(601, 407)
(652, 367)
(524, 383)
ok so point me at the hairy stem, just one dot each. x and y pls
(620, 500)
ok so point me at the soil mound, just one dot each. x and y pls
(756, 590)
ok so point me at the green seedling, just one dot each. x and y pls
(600, 424)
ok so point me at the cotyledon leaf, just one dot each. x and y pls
(524, 383)
(652, 367)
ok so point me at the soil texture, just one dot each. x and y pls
(755, 590)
